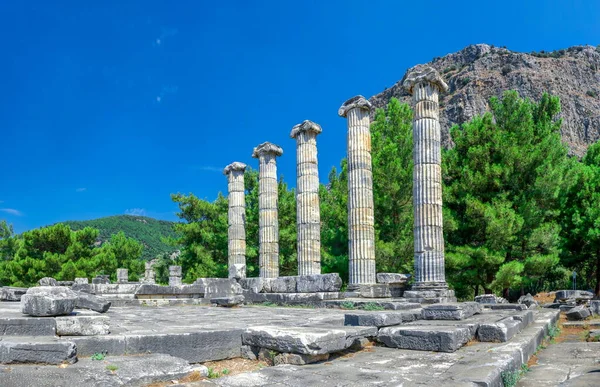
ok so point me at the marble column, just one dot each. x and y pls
(425, 84)
(308, 218)
(122, 276)
(361, 231)
(175, 275)
(268, 224)
(236, 220)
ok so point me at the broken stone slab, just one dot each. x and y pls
(499, 332)
(237, 271)
(290, 298)
(48, 281)
(65, 283)
(256, 284)
(505, 306)
(317, 283)
(580, 312)
(249, 352)
(228, 301)
(9, 293)
(92, 302)
(38, 350)
(27, 326)
(430, 296)
(194, 290)
(595, 307)
(283, 284)
(298, 359)
(566, 307)
(82, 325)
(81, 281)
(301, 340)
(458, 311)
(380, 319)
(578, 295)
(399, 304)
(425, 338)
(595, 334)
(101, 280)
(47, 301)
(392, 278)
(354, 334)
(490, 299)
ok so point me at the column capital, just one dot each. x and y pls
(305, 126)
(423, 74)
(267, 148)
(235, 166)
(355, 102)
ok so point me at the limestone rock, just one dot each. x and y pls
(249, 352)
(490, 299)
(480, 71)
(425, 338)
(595, 307)
(48, 281)
(48, 301)
(580, 312)
(572, 295)
(92, 302)
(298, 359)
(218, 287)
(82, 325)
(301, 340)
(81, 281)
(37, 351)
(318, 283)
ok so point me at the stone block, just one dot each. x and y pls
(175, 271)
(498, 332)
(122, 276)
(527, 300)
(318, 283)
(301, 340)
(595, 334)
(392, 278)
(298, 359)
(290, 298)
(228, 301)
(218, 287)
(505, 306)
(595, 307)
(9, 293)
(374, 291)
(149, 290)
(101, 279)
(237, 271)
(425, 338)
(578, 295)
(46, 301)
(37, 351)
(82, 325)
(566, 307)
(580, 312)
(284, 284)
(256, 284)
(451, 311)
(377, 319)
(27, 326)
(175, 281)
(490, 299)
(81, 281)
(92, 302)
(249, 352)
(48, 281)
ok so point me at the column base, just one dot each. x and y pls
(430, 293)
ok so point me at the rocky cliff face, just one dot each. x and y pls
(480, 71)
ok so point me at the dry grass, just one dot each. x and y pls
(235, 366)
(544, 298)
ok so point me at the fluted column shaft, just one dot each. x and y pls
(427, 188)
(361, 231)
(236, 220)
(268, 223)
(308, 219)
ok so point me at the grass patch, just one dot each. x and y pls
(511, 378)
(98, 356)
(373, 306)
(347, 305)
(112, 368)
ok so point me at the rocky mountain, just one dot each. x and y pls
(481, 71)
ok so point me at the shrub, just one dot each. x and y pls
(591, 93)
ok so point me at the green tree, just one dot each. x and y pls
(581, 220)
(503, 181)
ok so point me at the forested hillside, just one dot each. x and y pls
(149, 232)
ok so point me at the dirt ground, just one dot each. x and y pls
(543, 298)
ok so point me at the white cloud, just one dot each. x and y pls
(80, 189)
(136, 212)
(12, 211)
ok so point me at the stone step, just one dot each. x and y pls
(381, 319)
(291, 298)
(305, 340)
(425, 338)
(27, 326)
(453, 311)
(506, 328)
(361, 303)
(37, 350)
(195, 347)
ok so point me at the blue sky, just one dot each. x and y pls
(108, 107)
